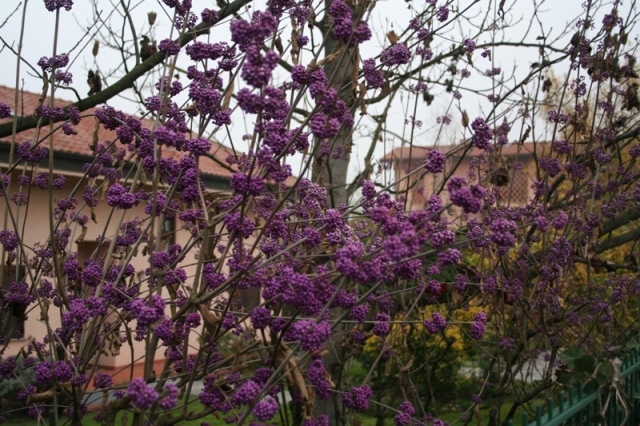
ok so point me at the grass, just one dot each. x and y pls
(365, 419)
(88, 419)
(453, 416)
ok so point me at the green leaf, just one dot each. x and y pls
(570, 355)
(605, 373)
(585, 364)
(632, 343)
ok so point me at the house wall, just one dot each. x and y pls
(129, 362)
(419, 186)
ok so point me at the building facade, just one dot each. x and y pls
(72, 153)
(511, 170)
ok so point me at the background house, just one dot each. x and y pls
(71, 153)
(515, 163)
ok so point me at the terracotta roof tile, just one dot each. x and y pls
(420, 152)
(79, 144)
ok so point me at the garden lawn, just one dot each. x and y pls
(365, 419)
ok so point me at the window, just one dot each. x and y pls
(516, 190)
(417, 190)
(12, 317)
(87, 250)
(169, 231)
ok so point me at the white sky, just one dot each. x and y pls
(387, 15)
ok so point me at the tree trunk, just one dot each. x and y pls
(332, 174)
(380, 412)
(334, 362)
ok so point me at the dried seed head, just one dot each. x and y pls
(96, 47)
(465, 118)
(392, 37)
(151, 17)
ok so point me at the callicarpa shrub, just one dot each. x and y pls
(159, 282)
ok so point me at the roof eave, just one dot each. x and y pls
(72, 164)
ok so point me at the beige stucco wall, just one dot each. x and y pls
(418, 187)
(37, 229)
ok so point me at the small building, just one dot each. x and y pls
(512, 170)
(71, 153)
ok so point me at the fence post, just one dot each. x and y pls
(583, 404)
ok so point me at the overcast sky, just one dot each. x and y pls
(78, 32)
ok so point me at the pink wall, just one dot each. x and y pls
(422, 184)
(37, 229)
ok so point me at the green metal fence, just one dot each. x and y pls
(582, 407)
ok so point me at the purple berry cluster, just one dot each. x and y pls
(398, 54)
(434, 163)
(266, 409)
(436, 324)
(316, 374)
(381, 327)
(247, 393)
(257, 68)
(406, 411)
(141, 394)
(5, 110)
(170, 396)
(260, 318)
(482, 135)
(102, 381)
(58, 61)
(53, 5)
(241, 183)
(147, 312)
(503, 232)
(478, 326)
(118, 196)
(344, 29)
(372, 75)
(469, 198)
(357, 398)
(310, 334)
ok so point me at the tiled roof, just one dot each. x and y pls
(79, 144)
(420, 152)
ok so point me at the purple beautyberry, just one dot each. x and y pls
(358, 398)
(265, 409)
(169, 47)
(381, 327)
(560, 221)
(53, 5)
(198, 146)
(260, 317)
(483, 134)
(142, 395)
(398, 54)
(5, 110)
(102, 381)
(437, 323)
(434, 162)
(118, 196)
(247, 393)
